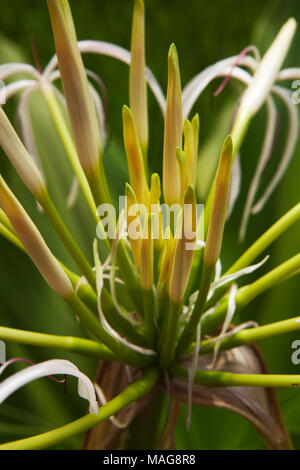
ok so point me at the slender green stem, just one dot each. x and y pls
(252, 335)
(167, 340)
(117, 321)
(266, 239)
(246, 294)
(49, 439)
(229, 379)
(189, 331)
(67, 238)
(257, 248)
(9, 235)
(69, 146)
(123, 351)
(150, 316)
(72, 344)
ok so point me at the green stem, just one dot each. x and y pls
(252, 335)
(67, 238)
(49, 439)
(246, 294)
(69, 146)
(9, 235)
(72, 344)
(189, 331)
(125, 353)
(229, 379)
(150, 316)
(117, 321)
(266, 239)
(167, 340)
(257, 248)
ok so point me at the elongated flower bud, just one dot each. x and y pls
(34, 243)
(155, 208)
(184, 251)
(133, 218)
(146, 266)
(166, 260)
(19, 157)
(173, 130)
(191, 140)
(134, 158)
(219, 207)
(76, 89)
(267, 70)
(213, 241)
(184, 171)
(137, 78)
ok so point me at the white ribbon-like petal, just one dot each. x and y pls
(13, 68)
(53, 367)
(119, 53)
(197, 85)
(235, 184)
(291, 141)
(231, 307)
(264, 158)
(12, 88)
(231, 277)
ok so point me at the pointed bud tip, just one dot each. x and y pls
(126, 110)
(189, 195)
(180, 155)
(173, 55)
(227, 146)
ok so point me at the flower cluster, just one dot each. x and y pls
(158, 304)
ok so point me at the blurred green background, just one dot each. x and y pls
(203, 32)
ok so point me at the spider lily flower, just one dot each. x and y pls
(168, 314)
(137, 77)
(173, 130)
(43, 369)
(33, 242)
(80, 105)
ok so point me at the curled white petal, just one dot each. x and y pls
(117, 52)
(235, 184)
(43, 369)
(242, 272)
(229, 315)
(13, 68)
(197, 85)
(264, 157)
(104, 322)
(27, 130)
(115, 421)
(15, 87)
(291, 141)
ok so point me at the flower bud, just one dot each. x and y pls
(34, 243)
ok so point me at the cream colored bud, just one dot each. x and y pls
(173, 130)
(34, 243)
(19, 157)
